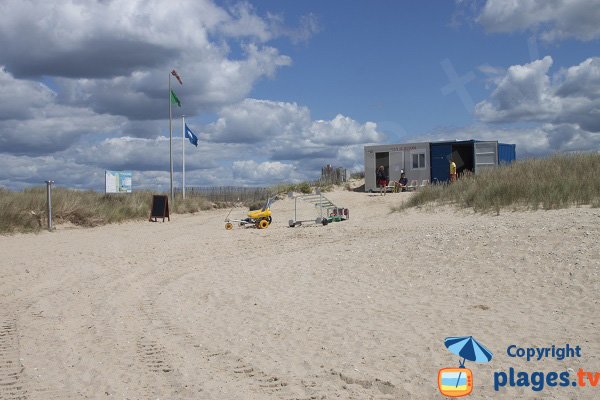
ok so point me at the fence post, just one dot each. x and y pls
(49, 203)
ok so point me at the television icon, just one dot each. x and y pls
(455, 382)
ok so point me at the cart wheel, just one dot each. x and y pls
(324, 222)
(269, 219)
(291, 223)
(263, 224)
(229, 226)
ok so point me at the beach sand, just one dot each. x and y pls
(352, 310)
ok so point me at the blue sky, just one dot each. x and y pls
(382, 61)
(276, 89)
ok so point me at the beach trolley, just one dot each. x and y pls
(260, 219)
(338, 214)
(328, 212)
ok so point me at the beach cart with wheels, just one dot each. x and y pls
(260, 219)
(327, 211)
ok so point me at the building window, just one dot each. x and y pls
(418, 160)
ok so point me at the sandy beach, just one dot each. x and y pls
(352, 310)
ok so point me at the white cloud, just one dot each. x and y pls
(246, 23)
(581, 80)
(527, 94)
(83, 166)
(344, 131)
(351, 157)
(71, 38)
(68, 38)
(493, 75)
(21, 99)
(571, 137)
(284, 132)
(563, 111)
(530, 141)
(91, 89)
(255, 120)
(309, 26)
(554, 19)
(262, 141)
(522, 93)
(114, 57)
(286, 125)
(287, 143)
(210, 81)
(286, 146)
(56, 129)
(252, 172)
(32, 122)
(151, 154)
(19, 172)
(22, 171)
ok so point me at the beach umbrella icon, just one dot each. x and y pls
(469, 349)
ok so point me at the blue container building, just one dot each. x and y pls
(430, 161)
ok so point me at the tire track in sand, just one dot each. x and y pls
(212, 365)
(11, 370)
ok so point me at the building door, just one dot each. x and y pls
(486, 155)
(440, 162)
(462, 154)
(396, 165)
(382, 159)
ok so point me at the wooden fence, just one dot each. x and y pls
(332, 175)
(230, 194)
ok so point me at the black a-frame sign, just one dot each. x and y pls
(160, 207)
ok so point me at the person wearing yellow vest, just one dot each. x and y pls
(452, 171)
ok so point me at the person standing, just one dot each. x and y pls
(381, 180)
(452, 171)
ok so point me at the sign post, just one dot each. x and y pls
(49, 203)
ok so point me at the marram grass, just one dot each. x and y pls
(26, 211)
(555, 182)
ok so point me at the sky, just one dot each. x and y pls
(276, 89)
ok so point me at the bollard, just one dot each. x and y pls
(49, 203)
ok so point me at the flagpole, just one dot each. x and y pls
(183, 152)
(171, 147)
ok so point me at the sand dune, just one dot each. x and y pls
(353, 310)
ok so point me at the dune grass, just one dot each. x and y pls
(26, 211)
(302, 187)
(550, 183)
(305, 187)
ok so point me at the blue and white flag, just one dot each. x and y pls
(190, 135)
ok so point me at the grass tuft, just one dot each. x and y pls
(556, 182)
(26, 211)
(302, 187)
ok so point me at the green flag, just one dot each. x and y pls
(175, 99)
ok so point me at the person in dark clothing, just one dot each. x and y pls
(401, 184)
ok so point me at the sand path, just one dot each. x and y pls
(353, 310)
